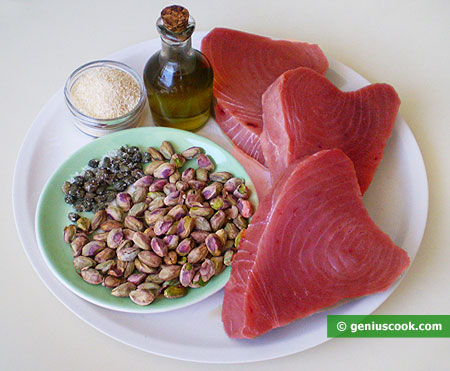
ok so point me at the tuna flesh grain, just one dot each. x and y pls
(305, 113)
(311, 243)
(244, 66)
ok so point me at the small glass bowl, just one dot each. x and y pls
(98, 127)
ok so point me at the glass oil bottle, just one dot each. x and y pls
(178, 78)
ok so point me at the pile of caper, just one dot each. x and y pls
(99, 184)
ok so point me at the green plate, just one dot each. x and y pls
(51, 215)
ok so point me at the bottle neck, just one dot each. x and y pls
(175, 50)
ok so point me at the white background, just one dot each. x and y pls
(404, 43)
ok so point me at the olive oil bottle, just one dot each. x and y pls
(178, 78)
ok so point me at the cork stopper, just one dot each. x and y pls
(175, 18)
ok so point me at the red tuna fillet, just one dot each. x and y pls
(244, 66)
(305, 113)
(311, 243)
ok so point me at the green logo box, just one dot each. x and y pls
(389, 326)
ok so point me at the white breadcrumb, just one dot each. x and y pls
(105, 93)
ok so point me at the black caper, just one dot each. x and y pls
(73, 189)
(124, 168)
(78, 180)
(89, 196)
(137, 173)
(101, 189)
(93, 163)
(106, 162)
(109, 179)
(79, 193)
(69, 199)
(89, 174)
(99, 206)
(90, 186)
(73, 217)
(129, 180)
(136, 157)
(146, 157)
(65, 187)
(78, 207)
(100, 198)
(101, 173)
(110, 196)
(120, 186)
(87, 205)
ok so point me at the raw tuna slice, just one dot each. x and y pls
(311, 243)
(305, 113)
(259, 174)
(244, 66)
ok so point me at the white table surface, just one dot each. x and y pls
(404, 43)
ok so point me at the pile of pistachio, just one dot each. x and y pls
(172, 230)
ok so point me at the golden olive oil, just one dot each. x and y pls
(178, 78)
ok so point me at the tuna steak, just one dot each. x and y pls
(305, 113)
(311, 243)
(244, 66)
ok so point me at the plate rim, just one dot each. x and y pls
(66, 297)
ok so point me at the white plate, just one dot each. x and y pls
(195, 333)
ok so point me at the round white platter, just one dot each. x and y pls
(397, 200)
